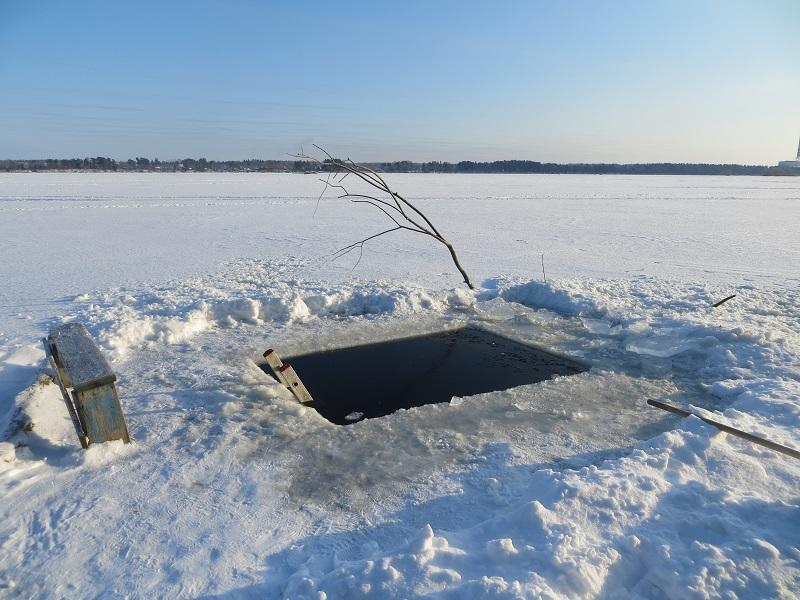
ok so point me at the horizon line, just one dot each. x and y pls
(382, 162)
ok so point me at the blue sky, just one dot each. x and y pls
(563, 81)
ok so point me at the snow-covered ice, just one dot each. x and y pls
(568, 488)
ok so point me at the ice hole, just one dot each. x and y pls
(374, 380)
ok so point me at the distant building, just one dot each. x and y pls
(791, 165)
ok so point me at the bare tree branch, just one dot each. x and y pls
(378, 206)
(394, 207)
(327, 182)
(360, 245)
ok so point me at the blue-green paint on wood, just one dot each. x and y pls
(101, 414)
(81, 366)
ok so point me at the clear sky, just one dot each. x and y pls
(566, 81)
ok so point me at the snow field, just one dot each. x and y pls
(572, 488)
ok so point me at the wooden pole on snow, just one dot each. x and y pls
(728, 429)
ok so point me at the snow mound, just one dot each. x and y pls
(123, 321)
(560, 300)
(17, 370)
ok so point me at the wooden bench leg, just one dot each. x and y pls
(73, 415)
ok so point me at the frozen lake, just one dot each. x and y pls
(62, 235)
(565, 488)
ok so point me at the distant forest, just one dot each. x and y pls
(202, 165)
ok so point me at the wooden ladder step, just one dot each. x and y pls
(286, 375)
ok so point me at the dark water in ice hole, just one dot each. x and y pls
(378, 379)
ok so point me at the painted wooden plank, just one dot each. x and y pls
(294, 384)
(101, 414)
(286, 375)
(81, 361)
(80, 365)
(275, 363)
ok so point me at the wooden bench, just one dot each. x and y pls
(93, 403)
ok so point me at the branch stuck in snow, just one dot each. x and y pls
(396, 208)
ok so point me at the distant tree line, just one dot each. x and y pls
(529, 166)
(140, 164)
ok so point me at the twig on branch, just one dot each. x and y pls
(398, 209)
